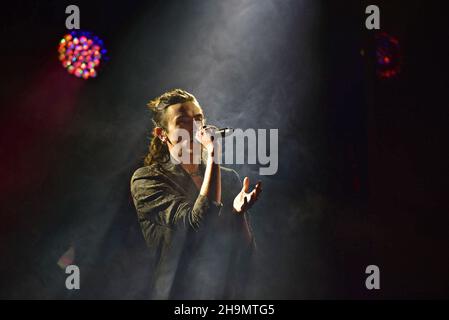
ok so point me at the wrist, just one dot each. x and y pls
(214, 150)
(211, 151)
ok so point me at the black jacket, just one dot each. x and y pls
(202, 250)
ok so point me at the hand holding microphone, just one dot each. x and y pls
(206, 136)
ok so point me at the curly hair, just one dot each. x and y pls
(157, 150)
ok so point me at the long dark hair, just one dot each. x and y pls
(157, 150)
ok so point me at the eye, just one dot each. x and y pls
(199, 118)
(182, 120)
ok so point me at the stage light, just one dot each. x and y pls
(82, 53)
(388, 56)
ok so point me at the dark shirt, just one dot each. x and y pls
(202, 249)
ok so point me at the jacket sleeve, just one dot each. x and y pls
(157, 202)
(244, 220)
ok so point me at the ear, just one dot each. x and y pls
(160, 133)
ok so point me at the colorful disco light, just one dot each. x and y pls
(81, 53)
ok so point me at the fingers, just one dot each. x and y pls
(205, 134)
(209, 127)
(245, 185)
(209, 131)
(254, 194)
(249, 198)
(258, 189)
(253, 197)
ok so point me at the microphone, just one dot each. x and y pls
(224, 132)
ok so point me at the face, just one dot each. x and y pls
(184, 116)
(182, 120)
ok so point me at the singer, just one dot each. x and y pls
(193, 212)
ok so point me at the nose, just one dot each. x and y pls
(198, 124)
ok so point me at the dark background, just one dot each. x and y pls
(362, 161)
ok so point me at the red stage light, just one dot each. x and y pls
(388, 55)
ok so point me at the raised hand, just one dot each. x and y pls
(245, 199)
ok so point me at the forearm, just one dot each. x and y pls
(211, 186)
(217, 183)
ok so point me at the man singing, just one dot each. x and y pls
(192, 211)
